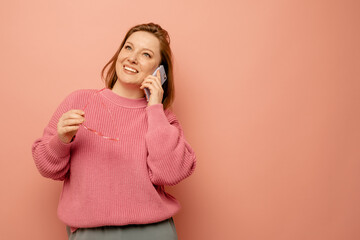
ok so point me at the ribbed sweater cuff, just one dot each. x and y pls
(156, 116)
(58, 148)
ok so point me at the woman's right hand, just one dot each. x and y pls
(69, 124)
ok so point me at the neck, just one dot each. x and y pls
(126, 90)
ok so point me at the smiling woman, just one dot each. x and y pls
(143, 46)
(138, 59)
(114, 186)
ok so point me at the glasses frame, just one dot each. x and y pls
(93, 130)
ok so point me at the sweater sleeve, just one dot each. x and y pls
(170, 157)
(52, 156)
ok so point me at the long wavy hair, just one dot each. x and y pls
(108, 73)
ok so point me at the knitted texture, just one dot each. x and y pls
(115, 182)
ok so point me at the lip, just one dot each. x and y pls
(137, 71)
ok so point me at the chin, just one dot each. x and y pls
(129, 81)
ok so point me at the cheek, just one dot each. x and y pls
(120, 59)
(121, 56)
(149, 69)
(149, 66)
(118, 66)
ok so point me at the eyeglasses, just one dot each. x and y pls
(112, 119)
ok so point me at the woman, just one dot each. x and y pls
(115, 149)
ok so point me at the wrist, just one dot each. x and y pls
(66, 140)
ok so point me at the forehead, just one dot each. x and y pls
(142, 39)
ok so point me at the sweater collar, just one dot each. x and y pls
(123, 101)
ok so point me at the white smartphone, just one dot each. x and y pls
(163, 78)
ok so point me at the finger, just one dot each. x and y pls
(69, 129)
(158, 74)
(157, 83)
(72, 122)
(72, 116)
(154, 82)
(77, 111)
(156, 78)
(149, 86)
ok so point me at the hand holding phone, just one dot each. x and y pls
(163, 78)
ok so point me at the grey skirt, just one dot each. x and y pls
(164, 230)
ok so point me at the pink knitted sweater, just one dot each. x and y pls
(120, 182)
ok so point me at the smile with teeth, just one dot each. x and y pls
(130, 69)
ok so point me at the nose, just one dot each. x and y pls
(132, 58)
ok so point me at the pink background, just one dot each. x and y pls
(268, 94)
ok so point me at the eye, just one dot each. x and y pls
(147, 55)
(127, 47)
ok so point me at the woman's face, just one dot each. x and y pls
(138, 58)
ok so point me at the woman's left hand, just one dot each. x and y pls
(153, 83)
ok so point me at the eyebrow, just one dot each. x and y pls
(143, 48)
